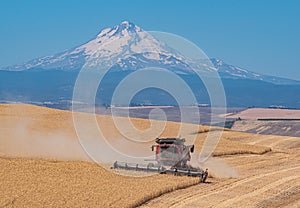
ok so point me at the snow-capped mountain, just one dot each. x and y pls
(126, 44)
(128, 47)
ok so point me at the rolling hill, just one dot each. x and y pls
(42, 164)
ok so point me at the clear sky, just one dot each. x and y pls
(259, 35)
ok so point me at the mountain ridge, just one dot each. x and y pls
(132, 48)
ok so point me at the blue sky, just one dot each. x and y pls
(261, 36)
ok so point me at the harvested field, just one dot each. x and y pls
(282, 122)
(268, 180)
(262, 113)
(283, 127)
(43, 164)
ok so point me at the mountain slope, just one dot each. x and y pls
(233, 72)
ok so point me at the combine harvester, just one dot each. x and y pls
(171, 157)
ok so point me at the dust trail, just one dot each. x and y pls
(19, 140)
(217, 167)
(24, 137)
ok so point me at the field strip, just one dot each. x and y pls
(236, 199)
(294, 204)
(281, 141)
(267, 138)
(260, 141)
(191, 197)
(258, 162)
(251, 163)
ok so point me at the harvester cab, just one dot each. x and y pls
(172, 152)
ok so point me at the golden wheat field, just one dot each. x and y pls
(42, 164)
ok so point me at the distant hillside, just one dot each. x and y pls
(56, 87)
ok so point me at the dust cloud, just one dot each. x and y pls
(24, 138)
(18, 140)
(217, 167)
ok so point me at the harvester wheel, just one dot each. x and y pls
(161, 169)
(175, 171)
(116, 165)
(203, 177)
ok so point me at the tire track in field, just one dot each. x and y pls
(195, 197)
(234, 200)
(183, 197)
